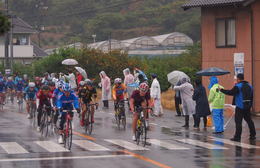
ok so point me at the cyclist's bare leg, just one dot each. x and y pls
(92, 113)
(134, 123)
(28, 107)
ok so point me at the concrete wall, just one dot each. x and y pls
(224, 57)
(19, 51)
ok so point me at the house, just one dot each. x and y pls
(231, 40)
(24, 50)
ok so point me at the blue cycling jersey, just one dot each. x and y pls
(10, 85)
(30, 94)
(67, 103)
(2, 87)
(19, 86)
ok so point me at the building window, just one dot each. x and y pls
(226, 33)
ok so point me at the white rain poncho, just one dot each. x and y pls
(156, 95)
(106, 86)
(72, 80)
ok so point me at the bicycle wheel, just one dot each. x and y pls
(88, 123)
(122, 117)
(44, 124)
(117, 117)
(33, 115)
(68, 135)
(143, 135)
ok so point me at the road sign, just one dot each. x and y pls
(239, 70)
(239, 59)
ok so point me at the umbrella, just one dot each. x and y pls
(82, 72)
(175, 76)
(69, 62)
(213, 71)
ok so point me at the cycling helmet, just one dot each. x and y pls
(82, 83)
(10, 78)
(89, 83)
(87, 80)
(60, 84)
(45, 88)
(31, 84)
(144, 87)
(66, 87)
(19, 79)
(118, 81)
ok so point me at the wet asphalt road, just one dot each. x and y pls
(172, 146)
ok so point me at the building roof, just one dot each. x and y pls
(38, 52)
(20, 26)
(162, 38)
(209, 3)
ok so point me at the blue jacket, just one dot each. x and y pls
(19, 86)
(67, 103)
(10, 84)
(30, 94)
(236, 91)
(2, 87)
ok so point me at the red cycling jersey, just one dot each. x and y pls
(43, 98)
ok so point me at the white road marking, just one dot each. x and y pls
(153, 124)
(227, 141)
(91, 146)
(166, 145)
(51, 146)
(165, 126)
(201, 144)
(63, 158)
(13, 148)
(126, 144)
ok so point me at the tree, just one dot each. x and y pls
(4, 24)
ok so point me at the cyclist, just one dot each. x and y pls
(140, 98)
(38, 82)
(58, 91)
(45, 98)
(66, 101)
(119, 92)
(2, 90)
(87, 96)
(19, 89)
(10, 85)
(30, 93)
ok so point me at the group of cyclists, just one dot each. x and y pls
(55, 95)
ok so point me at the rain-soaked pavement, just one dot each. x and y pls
(171, 145)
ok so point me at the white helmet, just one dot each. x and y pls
(118, 80)
(31, 84)
(87, 80)
(82, 83)
(10, 78)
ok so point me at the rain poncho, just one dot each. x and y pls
(129, 82)
(72, 80)
(106, 86)
(156, 95)
(186, 92)
(217, 102)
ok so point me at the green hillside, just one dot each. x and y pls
(67, 21)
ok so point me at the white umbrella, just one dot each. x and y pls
(82, 72)
(175, 76)
(69, 62)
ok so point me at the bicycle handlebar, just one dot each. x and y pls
(66, 111)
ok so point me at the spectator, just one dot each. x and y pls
(129, 81)
(186, 91)
(243, 93)
(177, 101)
(202, 105)
(79, 77)
(217, 101)
(72, 80)
(106, 88)
(156, 96)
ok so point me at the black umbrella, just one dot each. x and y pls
(213, 71)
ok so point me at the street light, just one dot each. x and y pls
(94, 37)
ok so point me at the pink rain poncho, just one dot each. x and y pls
(128, 81)
(106, 86)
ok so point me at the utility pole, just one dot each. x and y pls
(11, 45)
(7, 63)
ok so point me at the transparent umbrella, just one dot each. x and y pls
(213, 71)
(69, 62)
(82, 72)
(175, 76)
